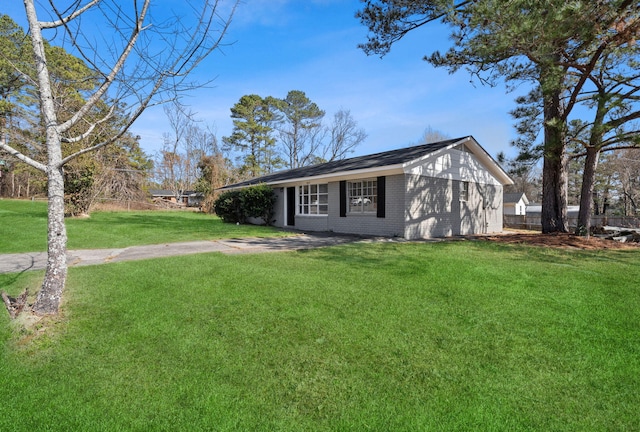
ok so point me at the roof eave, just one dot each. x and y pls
(340, 175)
(399, 168)
(484, 157)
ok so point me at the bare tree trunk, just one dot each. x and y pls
(554, 198)
(554, 170)
(586, 194)
(50, 295)
(632, 205)
(605, 200)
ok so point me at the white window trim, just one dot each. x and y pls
(464, 191)
(361, 213)
(299, 204)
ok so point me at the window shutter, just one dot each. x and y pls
(343, 198)
(381, 196)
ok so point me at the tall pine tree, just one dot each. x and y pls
(253, 134)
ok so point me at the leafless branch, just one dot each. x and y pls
(111, 76)
(20, 156)
(64, 20)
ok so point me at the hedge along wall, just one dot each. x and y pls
(237, 206)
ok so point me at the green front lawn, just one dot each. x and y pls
(23, 228)
(381, 337)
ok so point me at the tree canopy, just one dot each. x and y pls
(253, 133)
(272, 133)
(301, 128)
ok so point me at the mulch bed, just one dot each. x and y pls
(558, 240)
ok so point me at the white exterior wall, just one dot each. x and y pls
(434, 209)
(392, 225)
(493, 212)
(452, 164)
(518, 208)
(430, 210)
(312, 223)
(363, 224)
(422, 203)
(302, 222)
(482, 213)
(433, 206)
(279, 208)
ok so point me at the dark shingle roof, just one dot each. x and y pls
(377, 160)
(166, 192)
(514, 197)
(161, 192)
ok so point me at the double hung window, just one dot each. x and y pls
(313, 199)
(464, 191)
(362, 196)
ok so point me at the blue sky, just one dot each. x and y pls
(275, 46)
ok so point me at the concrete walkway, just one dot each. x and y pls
(14, 263)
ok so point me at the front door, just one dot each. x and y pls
(291, 206)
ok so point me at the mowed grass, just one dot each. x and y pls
(383, 337)
(23, 228)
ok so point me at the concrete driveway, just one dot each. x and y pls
(14, 263)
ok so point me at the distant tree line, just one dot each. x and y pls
(268, 134)
(616, 188)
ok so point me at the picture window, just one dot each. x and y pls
(313, 199)
(362, 196)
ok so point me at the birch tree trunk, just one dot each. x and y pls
(50, 294)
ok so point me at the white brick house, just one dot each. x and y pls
(447, 188)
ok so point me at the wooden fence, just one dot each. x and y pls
(532, 221)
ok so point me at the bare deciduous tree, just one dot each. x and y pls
(431, 135)
(145, 60)
(345, 136)
(177, 164)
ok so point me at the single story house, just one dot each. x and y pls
(515, 204)
(186, 198)
(446, 188)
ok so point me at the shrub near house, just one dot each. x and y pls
(237, 206)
